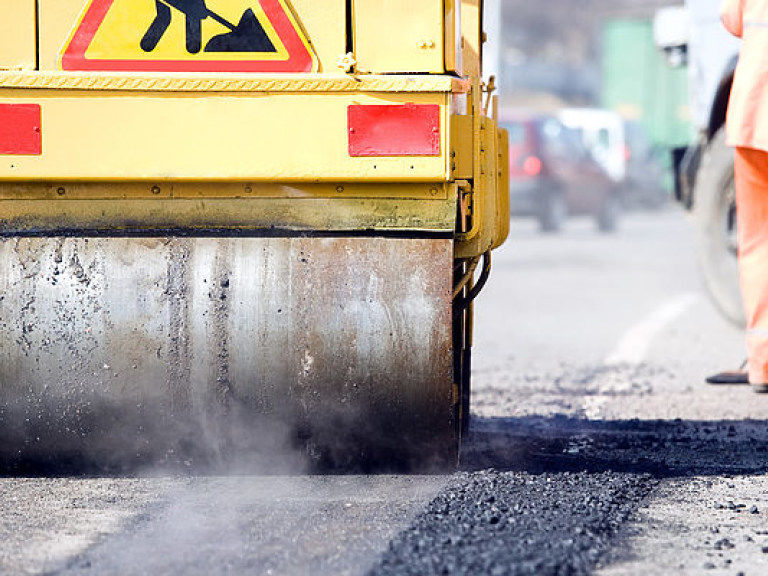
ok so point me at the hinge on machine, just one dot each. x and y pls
(464, 216)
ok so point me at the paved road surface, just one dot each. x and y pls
(595, 448)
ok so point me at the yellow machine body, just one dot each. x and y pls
(186, 234)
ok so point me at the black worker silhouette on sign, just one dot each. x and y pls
(247, 36)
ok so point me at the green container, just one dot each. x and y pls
(638, 83)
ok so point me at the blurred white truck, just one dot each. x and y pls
(692, 36)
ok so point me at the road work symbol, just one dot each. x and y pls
(188, 36)
(247, 36)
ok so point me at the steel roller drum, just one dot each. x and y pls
(121, 350)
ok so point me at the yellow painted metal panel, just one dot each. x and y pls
(348, 206)
(18, 40)
(462, 145)
(399, 36)
(160, 189)
(471, 37)
(75, 211)
(489, 210)
(57, 18)
(272, 137)
(495, 182)
(502, 188)
(452, 35)
(325, 25)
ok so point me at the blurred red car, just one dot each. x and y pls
(553, 175)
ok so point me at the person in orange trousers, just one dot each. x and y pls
(747, 131)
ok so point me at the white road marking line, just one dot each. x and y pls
(633, 348)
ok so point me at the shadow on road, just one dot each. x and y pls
(662, 448)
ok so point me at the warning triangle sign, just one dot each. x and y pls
(188, 36)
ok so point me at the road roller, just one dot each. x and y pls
(232, 225)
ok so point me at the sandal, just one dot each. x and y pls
(740, 376)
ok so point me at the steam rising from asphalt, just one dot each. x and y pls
(111, 442)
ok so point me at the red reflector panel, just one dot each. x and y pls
(20, 131)
(400, 130)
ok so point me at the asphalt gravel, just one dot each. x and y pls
(511, 523)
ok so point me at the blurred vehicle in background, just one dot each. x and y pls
(602, 132)
(693, 36)
(553, 175)
(645, 172)
(623, 149)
